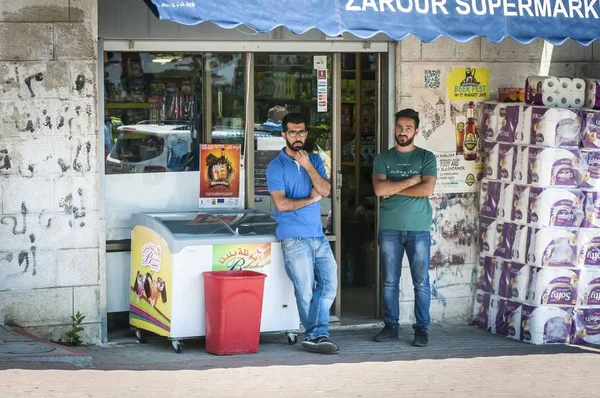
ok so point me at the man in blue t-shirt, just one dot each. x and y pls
(297, 181)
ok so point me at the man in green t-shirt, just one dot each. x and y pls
(404, 178)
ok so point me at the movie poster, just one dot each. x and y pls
(221, 176)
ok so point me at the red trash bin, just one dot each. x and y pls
(232, 309)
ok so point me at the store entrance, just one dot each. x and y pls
(361, 120)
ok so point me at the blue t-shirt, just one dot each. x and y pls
(285, 174)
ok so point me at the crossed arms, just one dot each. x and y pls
(416, 186)
(321, 189)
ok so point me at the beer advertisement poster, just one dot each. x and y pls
(449, 100)
(220, 176)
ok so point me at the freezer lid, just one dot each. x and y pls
(209, 227)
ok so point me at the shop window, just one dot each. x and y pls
(156, 113)
(285, 83)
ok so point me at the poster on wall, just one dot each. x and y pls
(249, 257)
(220, 176)
(448, 101)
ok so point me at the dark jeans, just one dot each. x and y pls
(392, 245)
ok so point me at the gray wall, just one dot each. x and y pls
(49, 212)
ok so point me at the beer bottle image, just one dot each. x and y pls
(470, 140)
(219, 171)
(460, 133)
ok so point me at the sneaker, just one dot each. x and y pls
(386, 334)
(321, 345)
(421, 339)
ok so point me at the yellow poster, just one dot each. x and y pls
(150, 282)
(468, 84)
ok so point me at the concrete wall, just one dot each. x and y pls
(454, 253)
(49, 202)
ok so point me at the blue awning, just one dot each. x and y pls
(462, 20)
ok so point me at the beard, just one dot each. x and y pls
(405, 142)
(293, 146)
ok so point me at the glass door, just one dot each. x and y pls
(360, 135)
(285, 83)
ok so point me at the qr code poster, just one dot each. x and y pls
(432, 79)
(444, 115)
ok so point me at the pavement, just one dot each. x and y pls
(17, 345)
(460, 361)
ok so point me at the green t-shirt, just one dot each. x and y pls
(404, 213)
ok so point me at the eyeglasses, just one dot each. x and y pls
(294, 133)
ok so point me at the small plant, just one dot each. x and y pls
(73, 337)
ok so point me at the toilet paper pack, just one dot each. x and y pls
(508, 319)
(589, 287)
(553, 167)
(591, 208)
(512, 241)
(503, 242)
(546, 325)
(588, 248)
(521, 168)
(488, 121)
(591, 161)
(521, 243)
(490, 198)
(481, 310)
(507, 160)
(592, 93)
(513, 281)
(539, 87)
(490, 155)
(590, 134)
(591, 157)
(551, 127)
(553, 247)
(586, 326)
(553, 286)
(486, 271)
(555, 92)
(555, 207)
(520, 202)
(501, 121)
(490, 233)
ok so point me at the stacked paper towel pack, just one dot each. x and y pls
(539, 272)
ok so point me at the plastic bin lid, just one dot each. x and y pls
(243, 274)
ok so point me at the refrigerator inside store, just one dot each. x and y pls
(169, 253)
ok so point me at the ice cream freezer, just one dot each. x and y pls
(170, 252)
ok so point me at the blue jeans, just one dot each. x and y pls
(392, 245)
(311, 267)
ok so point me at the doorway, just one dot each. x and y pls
(362, 119)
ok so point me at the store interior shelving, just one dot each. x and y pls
(358, 142)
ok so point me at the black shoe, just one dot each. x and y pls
(321, 345)
(386, 334)
(421, 339)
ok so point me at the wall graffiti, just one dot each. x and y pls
(7, 219)
(26, 259)
(454, 229)
(4, 160)
(38, 77)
